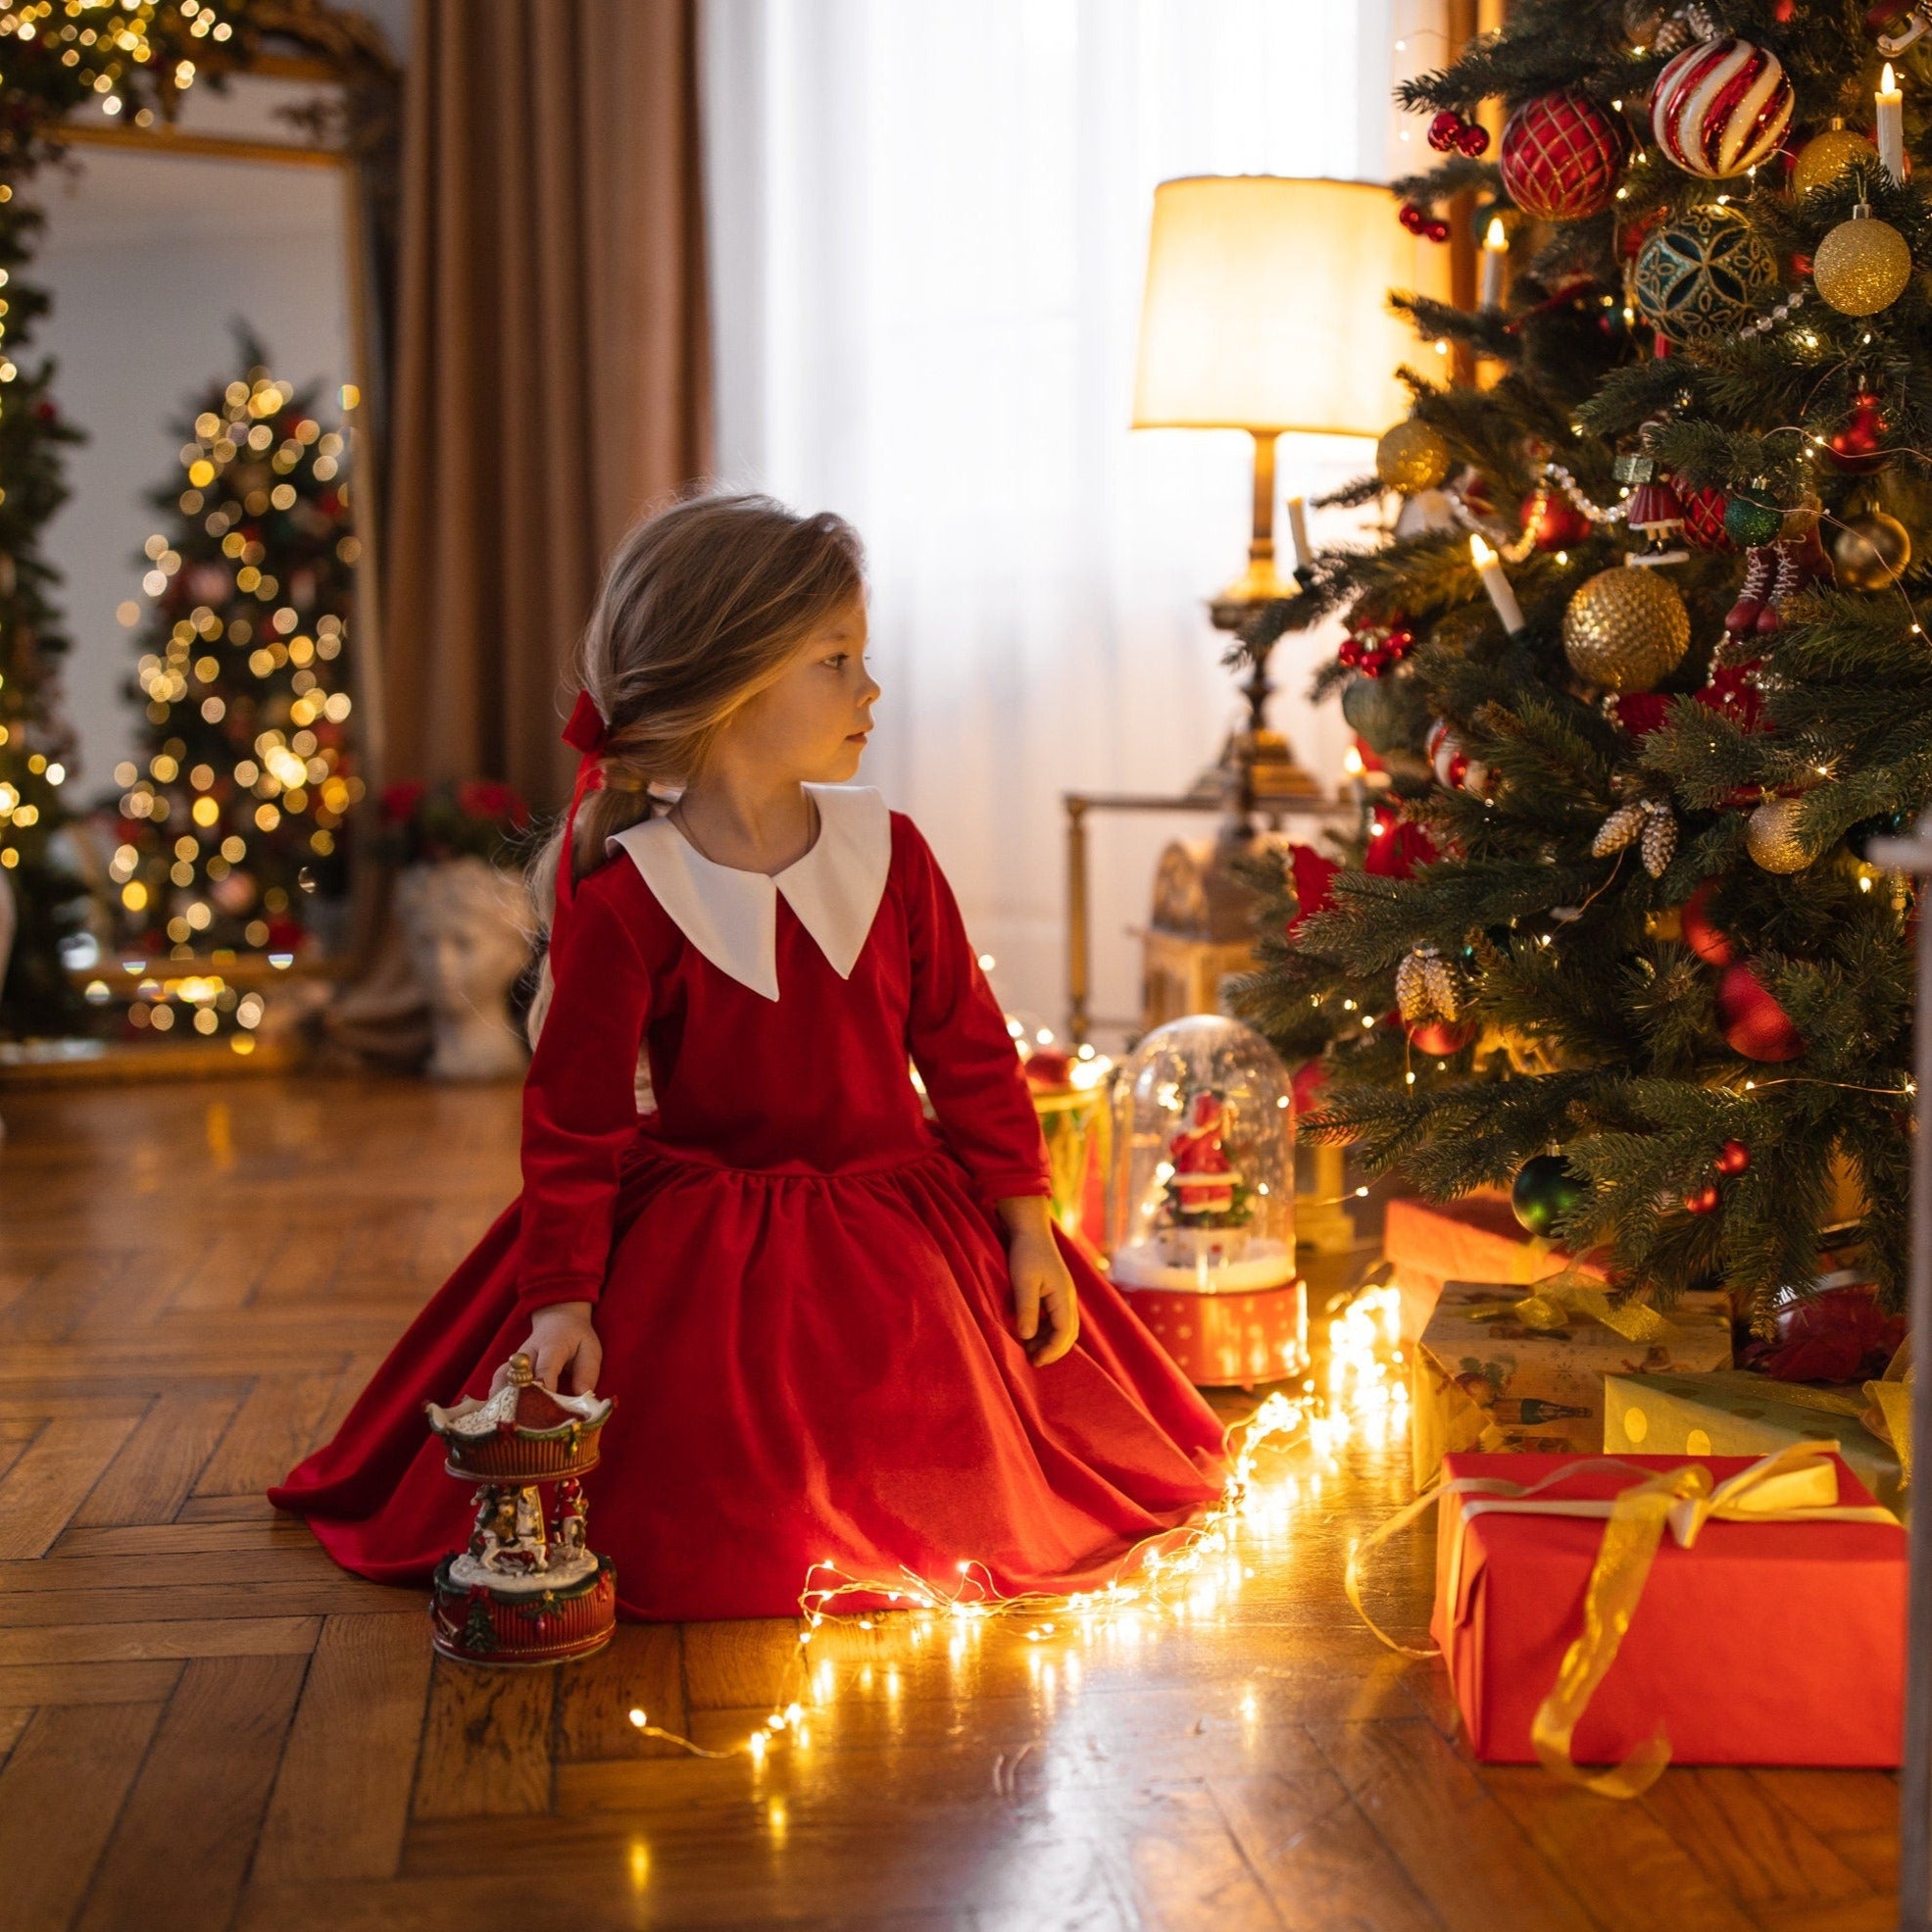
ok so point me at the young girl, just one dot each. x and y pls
(833, 1331)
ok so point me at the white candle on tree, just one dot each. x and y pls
(1890, 125)
(1495, 252)
(1497, 584)
(1298, 530)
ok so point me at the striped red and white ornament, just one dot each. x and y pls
(1721, 107)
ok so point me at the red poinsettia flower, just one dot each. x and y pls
(1314, 878)
(491, 797)
(400, 800)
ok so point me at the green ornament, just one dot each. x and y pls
(1546, 1188)
(1374, 710)
(1750, 520)
(1703, 274)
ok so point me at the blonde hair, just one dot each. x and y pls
(702, 605)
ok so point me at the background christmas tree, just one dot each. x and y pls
(231, 824)
(1615, 942)
(132, 56)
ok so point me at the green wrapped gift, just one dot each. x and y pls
(1733, 1413)
(1502, 1367)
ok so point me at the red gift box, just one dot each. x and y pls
(1477, 1238)
(1816, 1680)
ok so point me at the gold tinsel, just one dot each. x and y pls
(1862, 266)
(1825, 157)
(1871, 550)
(1771, 835)
(1625, 629)
(1411, 456)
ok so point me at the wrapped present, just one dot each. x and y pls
(1611, 1611)
(1736, 1412)
(1501, 1370)
(1475, 1239)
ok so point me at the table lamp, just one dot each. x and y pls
(1265, 310)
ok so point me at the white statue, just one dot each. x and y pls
(467, 928)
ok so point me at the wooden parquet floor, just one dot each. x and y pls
(206, 1725)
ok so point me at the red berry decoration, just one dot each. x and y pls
(1473, 141)
(1560, 157)
(1446, 130)
(1704, 521)
(1437, 230)
(1713, 947)
(1702, 1200)
(1411, 218)
(1858, 444)
(1441, 1037)
(1752, 1023)
(1733, 1157)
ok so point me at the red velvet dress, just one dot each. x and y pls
(801, 1286)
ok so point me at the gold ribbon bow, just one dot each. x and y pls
(1798, 1483)
(1565, 1297)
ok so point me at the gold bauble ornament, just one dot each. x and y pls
(1825, 157)
(1770, 834)
(1871, 552)
(1411, 456)
(1625, 629)
(1862, 266)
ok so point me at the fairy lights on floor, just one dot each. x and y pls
(1279, 1455)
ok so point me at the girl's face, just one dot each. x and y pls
(813, 722)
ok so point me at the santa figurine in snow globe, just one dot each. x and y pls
(1202, 1206)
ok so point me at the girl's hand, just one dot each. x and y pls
(1041, 1284)
(560, 1341)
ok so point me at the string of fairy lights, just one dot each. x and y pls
(1278, 1457)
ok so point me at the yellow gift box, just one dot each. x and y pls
(1500, 1370)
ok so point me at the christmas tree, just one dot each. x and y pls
(120, 55)
(1641, 662)
(231, 826)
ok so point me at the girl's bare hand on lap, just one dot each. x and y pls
(1046, 1305)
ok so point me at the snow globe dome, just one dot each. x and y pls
(1201, 1221)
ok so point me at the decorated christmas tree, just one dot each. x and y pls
(1641, 663)
(232, 825)
(131, 55)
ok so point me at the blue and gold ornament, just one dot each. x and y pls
(1703, 274)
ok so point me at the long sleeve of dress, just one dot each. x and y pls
(581, 1104)
(958, 1041)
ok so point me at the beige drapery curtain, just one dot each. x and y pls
(552, 371)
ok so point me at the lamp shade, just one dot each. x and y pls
(1266, 306)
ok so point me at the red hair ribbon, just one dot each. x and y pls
(588, 731)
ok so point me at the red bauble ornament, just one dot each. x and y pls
(1733, 1157)
(1560, 157)
(1437, 229)
(1411, 218)
(1441, 1037)
(1554, 521)
(1702, 1201)
(1446, 130)
(1713, 947)
(1858, 443)
(1752, 1023)
(1721, 107)
(1704, 519)
(1473, 141)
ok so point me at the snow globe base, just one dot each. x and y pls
(1231, 1339)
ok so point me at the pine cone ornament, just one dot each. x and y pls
(1620, 828)
(1426, 988)
(1659, 844)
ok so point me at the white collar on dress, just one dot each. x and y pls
(731, 916)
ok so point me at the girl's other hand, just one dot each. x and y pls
(1046, 1305)
(561, 1344)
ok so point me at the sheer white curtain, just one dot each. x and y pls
(928, 224)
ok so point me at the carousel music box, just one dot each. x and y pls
(1202, 1205)
(528, 1589)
